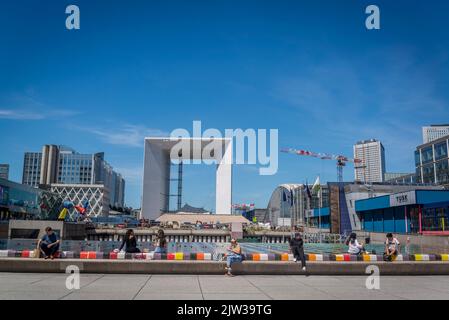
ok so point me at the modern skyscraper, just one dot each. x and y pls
(434, 132)
(63, 165)
(4, 171)
(372, 154)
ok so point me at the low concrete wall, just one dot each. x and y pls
(213, 267)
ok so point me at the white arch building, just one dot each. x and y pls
(158, 154)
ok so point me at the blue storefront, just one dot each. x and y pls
(314, 220)
(418, 211)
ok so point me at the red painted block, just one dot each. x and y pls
(25, 253)
(113, 255)
(170, 256)
(347, 257)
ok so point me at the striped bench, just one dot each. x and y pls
(204, 256)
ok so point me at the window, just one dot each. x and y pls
(442, 171)
(427, 155)
(428, 174)
(441, 151)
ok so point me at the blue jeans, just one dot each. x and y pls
(160, 250)
(233, 258)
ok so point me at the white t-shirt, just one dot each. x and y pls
(354, 247)
(393, 244)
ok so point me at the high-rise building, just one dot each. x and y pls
(432, 162)
(62, 165)
(372, 167)
(434, 132)
(32, 168)
(4, 171)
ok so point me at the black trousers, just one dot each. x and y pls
(49, 251)
(132, 250)
(298, 253)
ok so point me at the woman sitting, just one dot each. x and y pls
(161, 242)
(234, 255)
(129, 241)
(354, 247)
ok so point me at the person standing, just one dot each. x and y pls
(297, 248)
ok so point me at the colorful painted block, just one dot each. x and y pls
(67, 255)
(25, 254)
(400, 257)
(170, 256)
(339, 257)
(256, 257)
(17, 254)
(4, 253)
(284, 257)
(179, 256)
(113, 255)
(271, 257)
(199, 256)
(207, 256)
(445, 257)
(84, 255)
(157, 256)
(311, 257)
(187, 256)
(263, 257)
(422, 257)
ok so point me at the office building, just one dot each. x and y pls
(432, 162)
(62, 165)
(372, 154)
(4, 171)
(434, 132)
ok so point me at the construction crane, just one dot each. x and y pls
(341, 160)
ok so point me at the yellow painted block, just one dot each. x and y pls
(179, 256)
(339, 257)
(445, 257)
(366, 257)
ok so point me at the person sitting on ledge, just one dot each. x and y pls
(355, 248)
(234, 255)
(161, 242)
(392, 248)
(297, 248)
(49, 244)
(130, 242)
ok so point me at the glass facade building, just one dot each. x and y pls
(63, 165)
(432, 162)
(18, 201)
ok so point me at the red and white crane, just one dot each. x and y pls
(341, 160)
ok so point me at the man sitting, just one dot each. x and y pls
(392, 248)
(49, 244)
(234, 255)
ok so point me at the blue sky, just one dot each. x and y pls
(308, 68)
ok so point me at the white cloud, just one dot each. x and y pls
(125, 135)
(20, 115)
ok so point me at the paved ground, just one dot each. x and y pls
(210, 287)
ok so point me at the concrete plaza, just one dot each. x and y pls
(216, 287)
